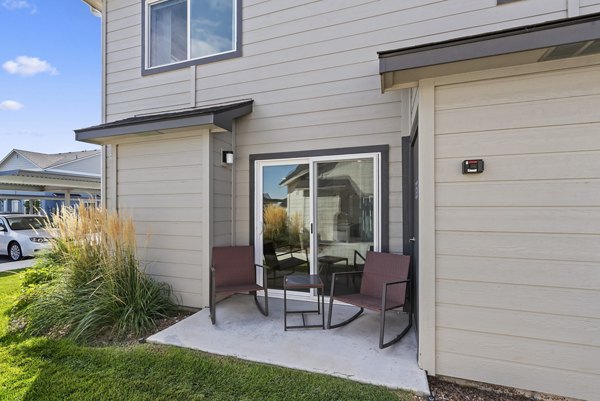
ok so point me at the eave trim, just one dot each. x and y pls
(497, 43)
(221, 115)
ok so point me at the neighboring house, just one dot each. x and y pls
(33, 182)
(506, 261)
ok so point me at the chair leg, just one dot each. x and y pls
(402, 334)
(265, 310)
(212, 299)
(395, 339)
(212, 313)
(345, 322)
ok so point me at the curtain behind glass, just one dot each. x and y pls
(168, 32)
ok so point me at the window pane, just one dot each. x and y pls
(212, 25)
(168, 32)
(345, 218)
(286, 218)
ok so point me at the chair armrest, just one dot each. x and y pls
(396, 282)
(385, 287)
(344, 273)
(334, 276)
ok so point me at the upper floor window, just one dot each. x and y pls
(186, 32)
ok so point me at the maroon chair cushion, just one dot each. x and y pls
(234, 267)
(379, 269)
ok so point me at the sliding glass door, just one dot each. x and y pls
(284, 219)
(316, 216)
(345, 207)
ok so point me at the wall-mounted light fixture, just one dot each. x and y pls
(226, 157)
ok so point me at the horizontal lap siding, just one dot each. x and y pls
(222, 192)
(160, 186)
(311, 68)
(109, 191)
(517, 247)
(313, 49)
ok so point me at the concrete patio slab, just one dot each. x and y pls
(350, 352)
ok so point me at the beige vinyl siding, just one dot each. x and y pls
(311, 68)
(160, 185)
(589, 6)
(222, 191)
(296, 50)
(517, 247)
(110, 184)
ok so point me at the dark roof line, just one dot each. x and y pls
(221, 115)
(529, 37)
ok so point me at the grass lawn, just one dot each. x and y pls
(46, 369)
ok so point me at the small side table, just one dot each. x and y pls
(326, 263)
(302, 283)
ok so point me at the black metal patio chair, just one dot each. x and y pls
(384, 286)
(281, 262)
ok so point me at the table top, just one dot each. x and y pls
(302, 282)
(331, 259)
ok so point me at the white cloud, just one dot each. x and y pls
(28, 66)
(19, 5)
(10, 105)
(220, 5)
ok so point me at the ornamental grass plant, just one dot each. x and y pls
(96, 287)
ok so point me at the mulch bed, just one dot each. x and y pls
(448, 391)
(106, 340)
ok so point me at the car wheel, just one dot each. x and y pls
(14, 251)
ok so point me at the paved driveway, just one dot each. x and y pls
(7, 264)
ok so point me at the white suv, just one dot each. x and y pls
(22, 235)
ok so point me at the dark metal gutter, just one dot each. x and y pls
(531, 37)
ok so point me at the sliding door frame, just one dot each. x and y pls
(380, 155)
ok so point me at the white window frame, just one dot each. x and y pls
(197, 60)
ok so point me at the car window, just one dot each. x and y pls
(25, 223)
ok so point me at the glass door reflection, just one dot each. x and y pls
(286, 221)
(345, 225)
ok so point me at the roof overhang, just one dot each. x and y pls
(571, 37)
(215, 116)
(28, 180)
(94, 4)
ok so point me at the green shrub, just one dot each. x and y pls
(33, 282)
(90, 283)
(43, 271)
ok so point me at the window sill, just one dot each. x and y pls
(188, 63)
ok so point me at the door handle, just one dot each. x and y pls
(412, 239)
